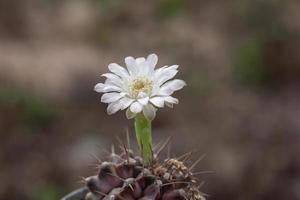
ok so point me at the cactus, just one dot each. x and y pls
(141, 90)
(124, 177)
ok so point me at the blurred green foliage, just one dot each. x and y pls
(34, 112)
(170, 8)
(104, 34)
(198, 83)
(108, 6)
(261, 17)
(263, 27)
(46, 192)
(248, 66)
(8, 98)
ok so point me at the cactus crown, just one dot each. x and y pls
(141, 90)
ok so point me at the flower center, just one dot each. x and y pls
(140, 84)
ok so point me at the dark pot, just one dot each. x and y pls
(77, 194)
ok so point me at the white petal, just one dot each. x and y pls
(130, 114)
(155, 90)
(170, 105)
(144, 101)
(169, 101)
(149, 112)
(99, 87)
(173, 67)
(157, 101)
(176, 84)
(140, 60)
(110, 82)
(112, 88)
(158, 72)
(142, 95)
(125, 101)
(163, 69)
(169, 87)
(118, 70)
(136, 107)
(131, 65)
(110, 97)
(152, 61)
(110, 76)
(113, 79)
(172, 100)
(113, 107)
(165, 74)
(143, 68)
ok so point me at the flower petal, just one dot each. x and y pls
(143, 68)
(164, 74)
(125, 101)
(157, 101)
(136, 107)
(149, 112)
(172, 100)
(170, 105)
(131, 65)
(113, 79)
(152, 61)
(169, 101)
(155, 90)
(130, 114)
(110, 97)
(171, 86)
(112, 88)
(118, 70)
(113, 107)
(144, 101)
(139, 60)
(142, 95)
(158, 72)
(99, 87)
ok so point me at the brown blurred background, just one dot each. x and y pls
(241, 108)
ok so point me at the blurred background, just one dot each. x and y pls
(241, 107)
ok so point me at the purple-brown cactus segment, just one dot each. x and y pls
(152, 191)
(109, 175)
(127, 170)
(178, 194)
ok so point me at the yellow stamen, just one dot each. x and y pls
(140, 84)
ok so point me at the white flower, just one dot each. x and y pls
(140, 87)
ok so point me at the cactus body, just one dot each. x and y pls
(125, 178)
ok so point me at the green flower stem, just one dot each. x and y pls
(144, 137)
